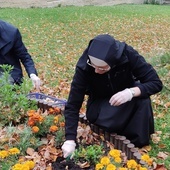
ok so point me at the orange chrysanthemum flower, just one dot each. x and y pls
(62, 124)
(35, 129)
(53, 128)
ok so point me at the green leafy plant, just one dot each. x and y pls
(20, 137)
(90, 153)
(13, 98)
(59, 137)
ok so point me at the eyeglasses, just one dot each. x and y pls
(96, 67)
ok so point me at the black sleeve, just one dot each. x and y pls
(150, 82)
(75, 100)
(23, 55)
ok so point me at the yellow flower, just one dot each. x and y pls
(25, 167)
(56, 119)
(149, 161)
(111, 167)
(17, 167)
(114, 153)
(3, 154)
(14, 151)
(105, 160)
(99, 166)
(118, 160)
(30, 164)
(131, 164)
(145, 157)
(122, 168)
(142, 168)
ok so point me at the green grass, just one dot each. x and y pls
(56, 37)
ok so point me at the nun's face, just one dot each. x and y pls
(99, 69)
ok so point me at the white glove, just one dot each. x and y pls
(36, 81)
(68, 148)
(121, 97)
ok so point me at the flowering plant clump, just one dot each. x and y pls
(48, 122)
(13, 98)
(27, 165)
(114, 161)
(9, 157)
(146, 158)
(6, 153)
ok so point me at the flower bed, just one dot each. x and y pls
(37, 144)
(118, 142)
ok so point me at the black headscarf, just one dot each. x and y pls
(106, 48)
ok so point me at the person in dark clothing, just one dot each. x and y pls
(13, 52)
(119, 83)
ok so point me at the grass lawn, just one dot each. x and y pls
(56, 37)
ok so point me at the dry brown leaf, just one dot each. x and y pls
(162, 155)
(167, 104)
(148, 147)
(84, 165)
(52, 141)
(161, 145)
(21, 127)
(46, 155)
(30, 151)
(155, 138)
(160, 167)
(44, 141)
(158, 132)
(35, 157)
(49, 167)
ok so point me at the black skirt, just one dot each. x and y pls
(133, 119)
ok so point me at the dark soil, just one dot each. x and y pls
(63, 164)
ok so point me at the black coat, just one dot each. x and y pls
(128, 70)
(13, 51)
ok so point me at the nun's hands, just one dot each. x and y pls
(121, 97)
(36, 81)
(68, 148)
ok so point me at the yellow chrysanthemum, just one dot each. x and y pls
(30, 164)
(99, 166)
(115, 153)
(131, 164)
(118, 159)
(56, 119)
(150, 162)
(14, 151)
(111, 167)
(17, 167)
(122, 168)
(142, 168)
(3, 154)
(105, 160)
(25, 167)
(145, 157)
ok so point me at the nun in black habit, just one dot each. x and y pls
(119, 83)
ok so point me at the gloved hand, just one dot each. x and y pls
(121, 97)
(36, 81)
(68, 148)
